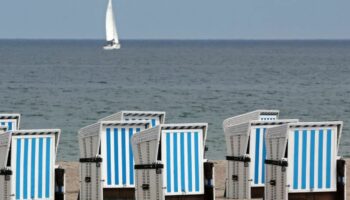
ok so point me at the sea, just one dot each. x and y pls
(69, 84)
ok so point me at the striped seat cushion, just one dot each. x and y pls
(117, 155)
(32, 162)
(312, 159)
(257, 151)
(182, 154)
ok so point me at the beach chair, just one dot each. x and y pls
(10, 120)
(154, 117)
(106, 157)
(170, 163)
(302, 162)
(246, 152)
(27, 159)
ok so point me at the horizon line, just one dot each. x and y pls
(190, 39)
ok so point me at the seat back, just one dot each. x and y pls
(33, 156)
(312, 155)
(10, 120)
(116, 152)
(182, 154)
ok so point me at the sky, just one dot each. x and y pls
(177, 19)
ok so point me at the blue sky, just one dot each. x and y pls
(178, 19)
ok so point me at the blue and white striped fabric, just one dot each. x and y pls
(182, 154)
(32, 162)
(117, 155)
(153, 121)
(10, 123)
(257, 151)
(312, 159)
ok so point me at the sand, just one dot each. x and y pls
(72, 176)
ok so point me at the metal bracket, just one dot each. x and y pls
(244, 159)
(87, 179)
(91, 160)
(149, 166)
(235, 177)
(145, 186)
(282, 163)
(5, 172)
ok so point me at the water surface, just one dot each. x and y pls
(69, 84)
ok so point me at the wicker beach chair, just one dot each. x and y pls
(170, 163)
(106, 157)
(246, 152)
(10, 120)
(154, 117)
(302, 162)
(27, 162)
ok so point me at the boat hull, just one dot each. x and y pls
(112, 47)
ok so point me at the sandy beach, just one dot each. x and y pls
(72, 175)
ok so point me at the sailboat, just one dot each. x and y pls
(111, 29)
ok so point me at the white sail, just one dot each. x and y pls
(111, 29)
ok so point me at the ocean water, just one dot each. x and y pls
(69, 84)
